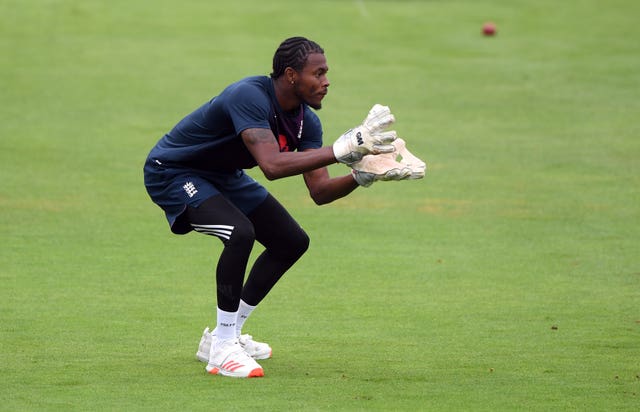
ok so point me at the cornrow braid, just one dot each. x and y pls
(293, 52)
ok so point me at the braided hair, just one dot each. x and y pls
(293, 52)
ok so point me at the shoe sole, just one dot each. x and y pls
(255, 373)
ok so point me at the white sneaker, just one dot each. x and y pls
(228, 358)
(205, 346)
(257, 350)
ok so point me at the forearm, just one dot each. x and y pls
(286, 164)
(326, 190)
(275, 164)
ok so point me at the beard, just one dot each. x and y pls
(316, 105)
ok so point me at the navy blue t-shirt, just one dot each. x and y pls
(209, 138)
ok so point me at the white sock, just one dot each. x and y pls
(226, 326)
(244, 310)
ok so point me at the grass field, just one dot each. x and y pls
(507, 279)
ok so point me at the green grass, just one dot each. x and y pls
(507, 279)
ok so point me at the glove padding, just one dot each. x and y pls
(399, 165)
(417, 166)
(368, 138)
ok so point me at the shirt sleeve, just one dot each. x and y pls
(248, 107)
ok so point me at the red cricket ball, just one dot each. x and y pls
(489, 29)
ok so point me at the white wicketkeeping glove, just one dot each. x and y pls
(399, 165)
(368, 138)
(417, 166)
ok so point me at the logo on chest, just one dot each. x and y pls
(283, 143)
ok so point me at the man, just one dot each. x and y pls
(195, 174)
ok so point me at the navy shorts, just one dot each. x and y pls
(175, 189)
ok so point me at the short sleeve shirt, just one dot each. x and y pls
(208, 139)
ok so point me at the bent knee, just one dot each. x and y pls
(303, 242)
(241, 235)
(296, 244)
(238, 234)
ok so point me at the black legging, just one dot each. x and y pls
(271, 225)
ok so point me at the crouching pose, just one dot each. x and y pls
(195, 173)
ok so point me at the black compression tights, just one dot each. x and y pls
(271, 225)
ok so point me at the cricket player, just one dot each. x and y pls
(195, 173)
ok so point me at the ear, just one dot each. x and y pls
(290, 75)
